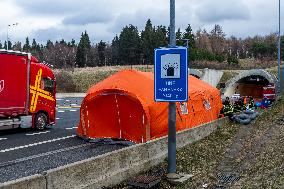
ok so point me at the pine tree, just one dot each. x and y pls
(129, 45)
(188, 35)
(9, 45)
(1, 46)
(101, 53)
(115, 51)
(179, 41)
(83, 51)
(34, 44)
(63, 42)
(34, 47)
(147, 41)
(73, 43)
(80, 58)
(160, 38)
(27, 47)
(49, 44)
(5, 45)
(17, 46)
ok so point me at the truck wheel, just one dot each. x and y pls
(40, 121)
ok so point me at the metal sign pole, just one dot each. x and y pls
(172, 105)
(7, 48)
(279, 57)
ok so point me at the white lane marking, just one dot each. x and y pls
(70, 128)
(73, 110)
(73, 104)
(35, 144)
(3, 138)
(57, 118)
(43, 154)
(67, 100)
(38, 133)
(59, 99)
(60, 111)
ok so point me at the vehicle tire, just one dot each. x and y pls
(40, 121)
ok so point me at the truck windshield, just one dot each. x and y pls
(48, 84)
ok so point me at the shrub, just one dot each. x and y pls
(64, 82)
(232, 60)
(219, 58)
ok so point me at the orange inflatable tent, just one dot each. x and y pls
(123, 107)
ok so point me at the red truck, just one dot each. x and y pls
(27, 92)
(269, 92)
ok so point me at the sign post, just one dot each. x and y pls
(172, 105)
(171, 85)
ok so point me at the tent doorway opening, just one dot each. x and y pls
(117, 115)
(251, 86)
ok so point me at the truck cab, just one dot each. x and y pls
(27, 92)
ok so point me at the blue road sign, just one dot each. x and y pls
(171, 74)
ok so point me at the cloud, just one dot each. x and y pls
(96, 33)
(71, 7)
(42, 35)
(139, 18)
(217, 11)
(88, 17)
(48, 7)
(103, 19)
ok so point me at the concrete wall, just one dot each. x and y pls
(64, 95)
(31, 182)
(212, 76)
(114, 167)
(231, 84)
(195, 73)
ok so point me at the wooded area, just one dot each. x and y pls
(134, 47)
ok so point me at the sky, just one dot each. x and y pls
(103, 19)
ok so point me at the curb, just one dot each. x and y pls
(64, 95)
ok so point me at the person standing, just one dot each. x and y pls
(228, 109)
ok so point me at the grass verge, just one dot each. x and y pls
(200, 158)
(258, 161)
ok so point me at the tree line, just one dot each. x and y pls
(132, 47)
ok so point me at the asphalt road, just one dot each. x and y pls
(28, 152)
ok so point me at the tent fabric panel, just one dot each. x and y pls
(103, 117)
(139, 83)
(138, 91)
(115, 114)
(131, 119)
(158, 119)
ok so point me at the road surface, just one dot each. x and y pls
(28, 152)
